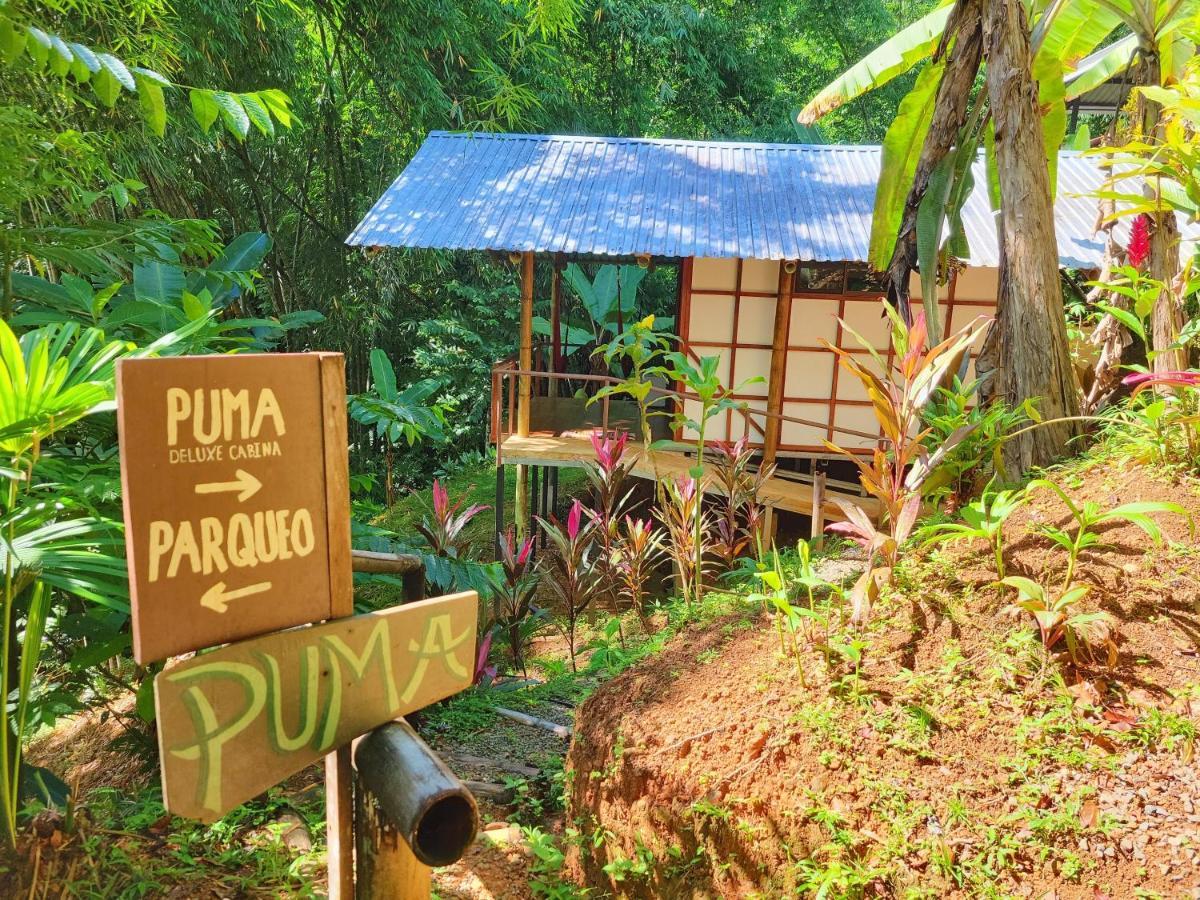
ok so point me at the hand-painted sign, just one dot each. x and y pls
(235, 721)
(234, 475)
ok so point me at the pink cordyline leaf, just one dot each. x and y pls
(687, 487)
(523, 553)
(441, 499)
(609, 450)
(1139, 241)
(573, 520)
(917, 335)
(1141, 381)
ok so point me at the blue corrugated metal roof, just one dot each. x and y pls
(673, 198)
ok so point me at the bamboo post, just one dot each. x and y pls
(413, 813)
(775, 381)
(521, 503)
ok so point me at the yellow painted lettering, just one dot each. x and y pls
(179, 407)
(303, 539)
(267, 408)
(185, 545)
(161, 534)
(211, 535)
(241, 540)
(211, 736)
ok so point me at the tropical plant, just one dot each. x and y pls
(688, 528)
(641, 349)
(930, 150)
(52, 378)
(895, 472)
(607, 476)
(710, 398)
(608, 301)
(1156, 425)
(513, 593)
(977, 458)
(396, 414)
(1057, 616)
(1089, 515)
(738, 483)
(444, 529)
(639, 549)
(775, 595)
(983, 520)
(570, 568)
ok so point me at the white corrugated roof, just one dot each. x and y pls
(674, 198)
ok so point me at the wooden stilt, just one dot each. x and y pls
(818, 507)
(499, 505)
(775, 381)
(524, 385)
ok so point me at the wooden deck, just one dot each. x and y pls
(573, 450)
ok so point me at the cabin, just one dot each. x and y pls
(769, 245)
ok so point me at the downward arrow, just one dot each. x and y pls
(246, 484)
(217, 598)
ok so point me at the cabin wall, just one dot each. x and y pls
(728, 308)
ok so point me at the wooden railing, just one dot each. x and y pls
(507, 373)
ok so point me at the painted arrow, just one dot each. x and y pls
(217, 598)
(246, 485)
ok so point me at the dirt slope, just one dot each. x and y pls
(958, 765)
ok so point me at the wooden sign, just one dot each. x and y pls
(234, 722)
(237, 511)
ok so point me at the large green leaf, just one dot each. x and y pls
(383, 375)
(1048, 73)
(152, 103)
(204, 108)
(1077, 29)
(233, 114)
(258, 114)
(894, 57)
(243, 254)
(901, 149)
(158, 282)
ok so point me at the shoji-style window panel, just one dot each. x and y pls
(711, 319)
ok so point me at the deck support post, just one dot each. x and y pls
(783, 312)
(499, 505)
(557, 360)
(818, 507)
(525, 385)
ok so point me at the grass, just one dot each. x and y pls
(126, 846)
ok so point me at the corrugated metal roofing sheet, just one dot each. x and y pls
(673, 198)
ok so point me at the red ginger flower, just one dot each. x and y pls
(1139, 241)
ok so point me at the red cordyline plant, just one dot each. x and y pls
(610, 497)
(739, 520)
(639, 549)
(513, 594)
(444, 530)
(900, 463)
(571, 568)
(683, 515)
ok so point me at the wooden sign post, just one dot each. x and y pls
(235, 484)
(235, 478)
(240, 719)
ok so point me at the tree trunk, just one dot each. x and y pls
(963, 41)
(1167, 317)
(1028, 345)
